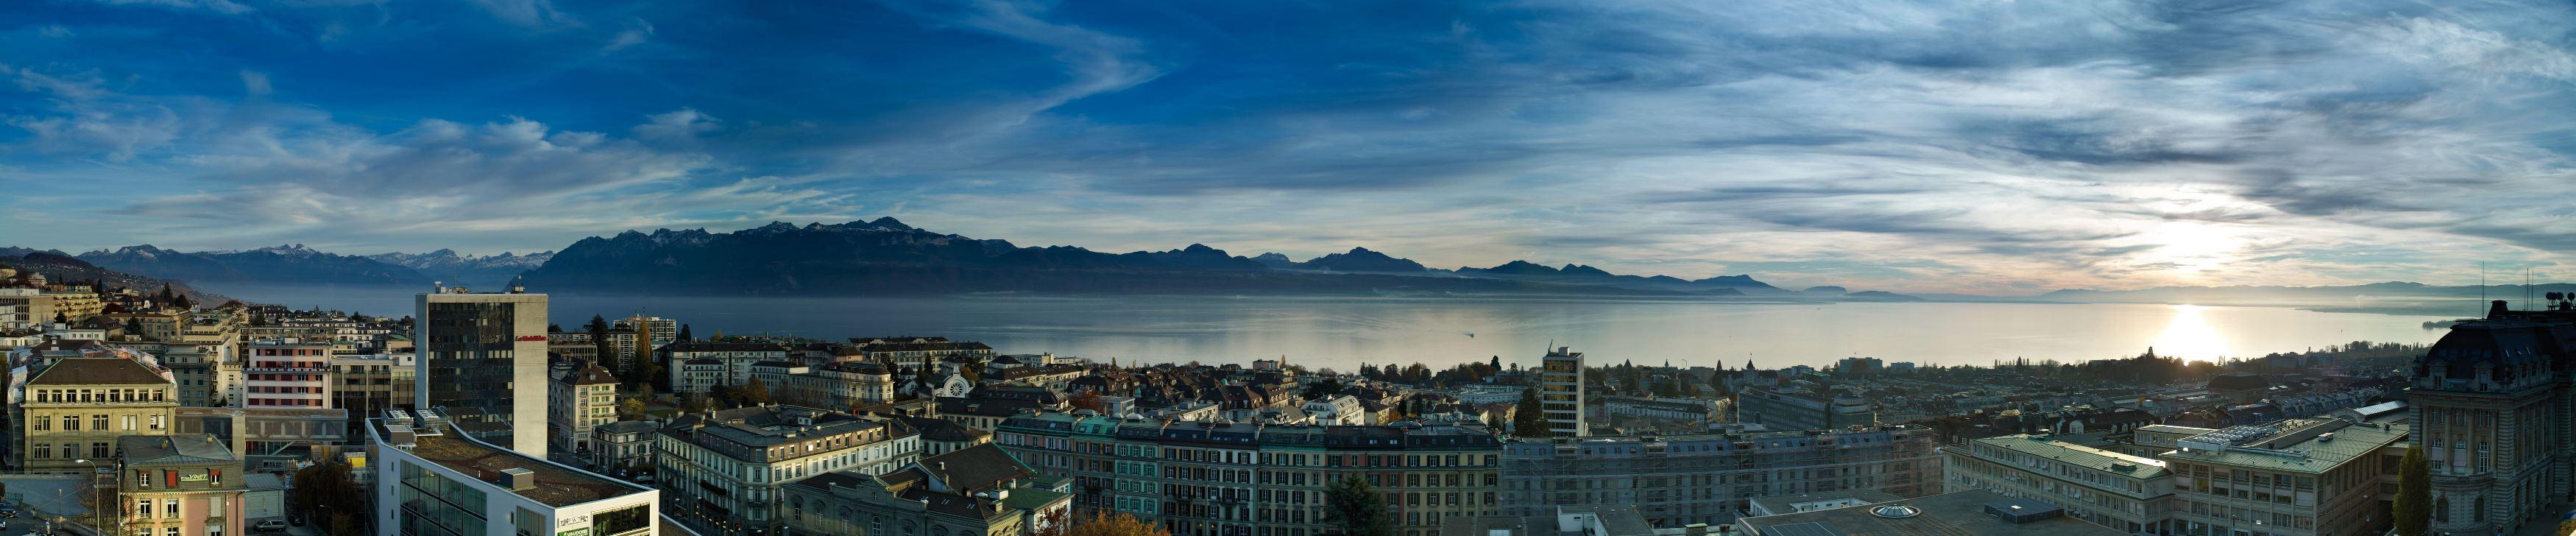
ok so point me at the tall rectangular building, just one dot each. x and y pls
(483, 363)
(1560, 393)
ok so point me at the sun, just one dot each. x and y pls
(2189, 336)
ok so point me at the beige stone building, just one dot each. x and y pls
(2298, 477)
(584, 396)
(180, 484)
(76, 408)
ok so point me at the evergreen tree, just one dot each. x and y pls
(1357, 509)
(684, 334)
(1527, 420)
(165, 295)
(182, 302)
(2413, 512)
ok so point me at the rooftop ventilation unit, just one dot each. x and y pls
(518, 479)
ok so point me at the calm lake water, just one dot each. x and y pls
(1341, 332)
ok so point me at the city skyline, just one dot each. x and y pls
(1932, 148)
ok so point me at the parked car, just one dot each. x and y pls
(8, 510)
(272, 525)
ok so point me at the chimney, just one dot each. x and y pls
(2496, 309)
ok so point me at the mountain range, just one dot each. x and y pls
(61, 267)
(887, 257)
(291, 263)
(445, 265)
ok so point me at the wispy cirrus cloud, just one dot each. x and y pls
(1957, 146)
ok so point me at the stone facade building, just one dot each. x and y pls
(1206, 479)
(76, 408)
(180, 484)
(2492, 408)
(1681, 480)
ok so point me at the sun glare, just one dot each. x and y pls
(2189, 336)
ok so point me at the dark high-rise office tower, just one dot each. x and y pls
(483, 363)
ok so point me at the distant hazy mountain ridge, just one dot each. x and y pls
(292, 263)
(59, 267)
(886, 257)
(470, 270)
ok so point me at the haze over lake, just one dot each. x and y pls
(1342, 332)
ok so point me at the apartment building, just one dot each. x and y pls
(369, 384)
(180, 484)
(973, 492)
(438, 481)
(624, 447)
(697, 367)
(287, 373)
(1711, 478)
(2297, 477)
(1789, 409)
(729, 464)
(914, 353)
(581, 396)
(205, 373)
(1204, 478)
(1560, 393)
(73, 411)
(831, 385)
(2120, 491)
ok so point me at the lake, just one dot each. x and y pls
(1342, 332)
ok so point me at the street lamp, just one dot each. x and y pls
(98, 500)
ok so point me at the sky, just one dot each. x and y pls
(1932, 146)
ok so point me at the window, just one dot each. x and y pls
(98, 450)
(43, 451)
(42, 424)
(169, 508)
(98, 422)
(71, 423)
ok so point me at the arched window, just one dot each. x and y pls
(2480, 514)
(2442, 510)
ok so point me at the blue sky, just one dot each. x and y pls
(1968, 146)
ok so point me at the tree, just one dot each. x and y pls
(166, 296)
(1115, 525)
(684, 334)
(1357, 509)
(1527, 419)
(1324, 389)
(1085, 400)
(327, 489)
(134, 326)
(182, 302)
(103, 497)
(2413, 512)
(752, 393)
(554, 328)
(693, 401)
(632, 409)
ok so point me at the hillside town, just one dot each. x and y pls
(137, 411)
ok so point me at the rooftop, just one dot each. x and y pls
(1960, 513)
(2293, 445)
(1820, 500)
(98, 371)
(174, 449)
(556, 485)
(2043, 446)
